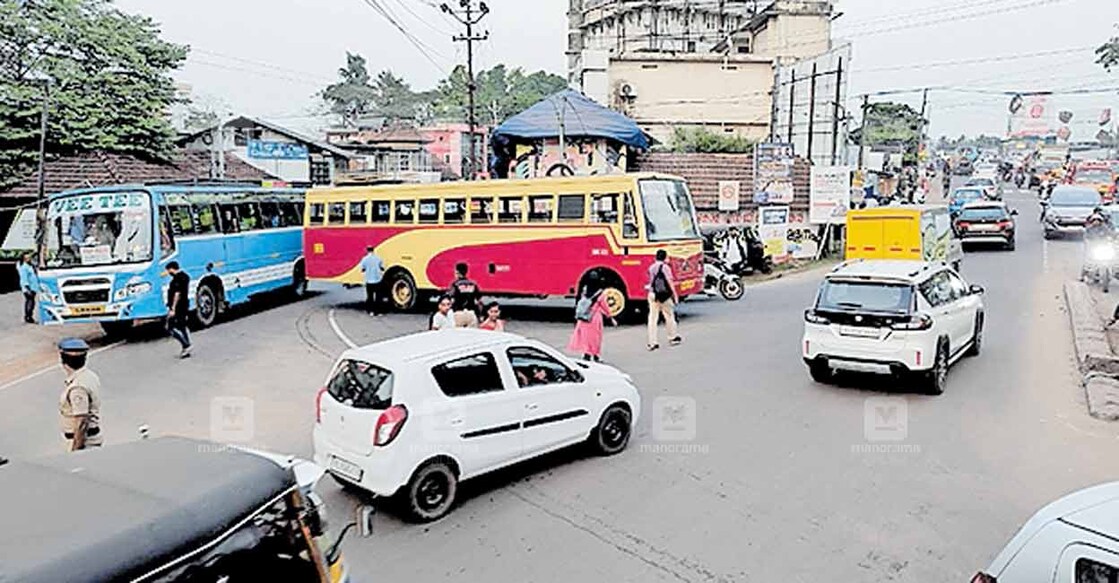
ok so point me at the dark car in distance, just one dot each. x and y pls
(986, 222)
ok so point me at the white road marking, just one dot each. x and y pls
(43, 371)
(338, 330)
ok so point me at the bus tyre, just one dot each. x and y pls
(205, 305)
(430, 493)
(299, 281)
(402, 291)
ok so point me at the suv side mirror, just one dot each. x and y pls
(976, 290)
(1013, 212)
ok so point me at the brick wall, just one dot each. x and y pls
(704, 172)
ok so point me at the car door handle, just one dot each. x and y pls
(532, 406)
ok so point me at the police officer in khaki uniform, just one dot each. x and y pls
(80, 403)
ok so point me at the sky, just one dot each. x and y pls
(268, 58)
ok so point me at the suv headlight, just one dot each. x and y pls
(1103, 253)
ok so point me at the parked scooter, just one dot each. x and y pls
(716, 279)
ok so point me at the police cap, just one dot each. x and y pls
(73, 345)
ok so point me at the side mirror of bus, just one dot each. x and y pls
(365, 514)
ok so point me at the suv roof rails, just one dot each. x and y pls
(847, 263)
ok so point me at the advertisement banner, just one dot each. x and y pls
(773, 229)
(21, 236)
(262, 150)
(829, 194)
(773, 173)
(1033, 117)
(730, 192)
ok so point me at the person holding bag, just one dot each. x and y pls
(662, 301)
(590, 312)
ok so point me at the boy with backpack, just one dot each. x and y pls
(662, 301)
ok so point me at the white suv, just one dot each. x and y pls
(1075, 538)
(892, 317)
(415, 415)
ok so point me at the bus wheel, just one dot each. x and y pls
(299, 282)
(402, 291)
(205, 305)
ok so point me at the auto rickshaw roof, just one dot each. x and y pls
(117, 512)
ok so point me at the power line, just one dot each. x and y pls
(424, 49)
(998, 59)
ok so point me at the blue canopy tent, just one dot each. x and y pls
(568, 114)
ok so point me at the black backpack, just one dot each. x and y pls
(661, 290)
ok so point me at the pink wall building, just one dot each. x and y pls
(448, 144)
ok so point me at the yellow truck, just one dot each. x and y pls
(916, 232)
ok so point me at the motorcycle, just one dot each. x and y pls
(717, 279)
(1099, 263)
(740, 251)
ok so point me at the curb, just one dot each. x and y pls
(1094, 356)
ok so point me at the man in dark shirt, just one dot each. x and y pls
(178, 306)
(465, 298)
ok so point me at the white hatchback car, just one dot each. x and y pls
(892, 317)
(1074, 539)
(415, 415)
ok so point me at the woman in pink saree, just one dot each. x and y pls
(590, 313)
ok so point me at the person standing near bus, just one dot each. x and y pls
(178, 306)
(29, 286)
(465, 298)
(373, 269)
(662, 301)
(79, 406)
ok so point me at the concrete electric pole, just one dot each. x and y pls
(469, 17)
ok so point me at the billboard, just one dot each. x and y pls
(1032, 116)
(829, 194)
(773, 173)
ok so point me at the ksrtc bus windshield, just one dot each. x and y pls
(668, 210)
(88, 230)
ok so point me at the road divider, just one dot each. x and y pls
(1094, 355)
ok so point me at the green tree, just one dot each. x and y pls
(393, 97)
(1108, 53)
(108, 75)
(890, 124)
(501, 92)
(353, 95)
(704, 141)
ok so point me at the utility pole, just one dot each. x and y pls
(811, 113)
(43, 115)
(862, 130)
(470, 17)
(835, 113)
(924, 107)
(792, 103)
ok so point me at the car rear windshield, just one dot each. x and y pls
(1074, 197)
(967, 195)
(983, 214)
(854, 296)
(361, 385)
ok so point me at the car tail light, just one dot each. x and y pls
(813, 317)
(389, 424)
(318, 405)
(1005, 225)
(914, 322)
(983, 578)
(963, 226)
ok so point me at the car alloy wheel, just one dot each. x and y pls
(613, 431)
(431, 492)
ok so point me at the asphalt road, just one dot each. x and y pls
(780, 483)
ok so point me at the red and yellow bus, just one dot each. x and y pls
(532, 238)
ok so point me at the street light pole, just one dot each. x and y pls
(469, 20)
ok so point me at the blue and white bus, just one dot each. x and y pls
(105, 250)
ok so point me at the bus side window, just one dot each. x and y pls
(481, 211)
(317, 213)
(359, 215)
(204, 219)
(182, 223)
(511, 209)
(572, 208)
(629, 218)
(166, 243)
(290, 214)
(336, 213)
(229, 221)
(249, 215)
(604, 209)
(405, 212)
(541, 208)
(270, 215)
(429, 210)
(454, 211)
(382, 211)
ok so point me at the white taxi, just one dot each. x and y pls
(413, 416)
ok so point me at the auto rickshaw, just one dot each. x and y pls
(166, 510)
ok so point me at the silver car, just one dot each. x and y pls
(1068, 209)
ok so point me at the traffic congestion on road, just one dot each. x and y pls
(715, 306)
